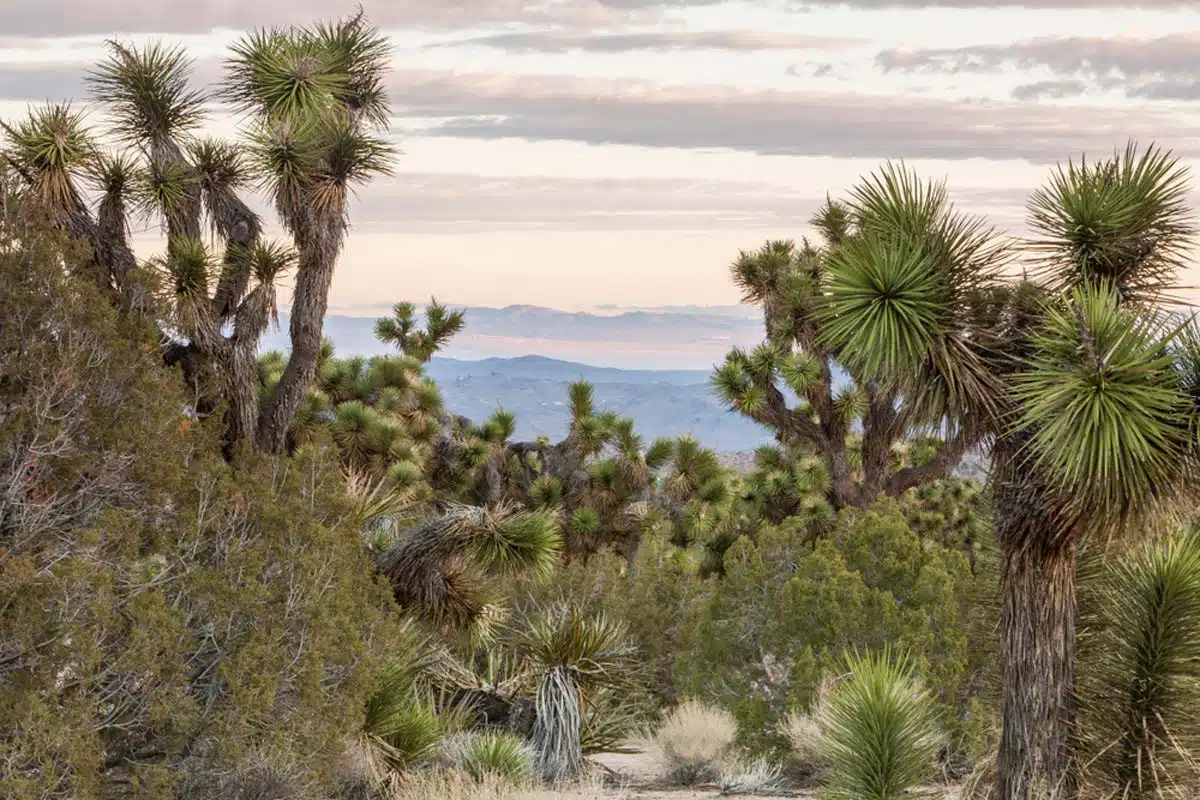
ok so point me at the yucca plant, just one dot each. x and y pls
(404, 724)
(438, 568)
(1076, 375)
(1139, 682)
(573, 655)
(893, 307)
(879, 731)
(495, 754)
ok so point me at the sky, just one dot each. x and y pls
(576, 153)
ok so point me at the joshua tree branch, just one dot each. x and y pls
(941, 466)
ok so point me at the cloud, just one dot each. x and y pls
(1033, 5)
(80, 17)
(732, 40)
(1055, 90)
(434, 202)
(1163, 68)
(67, 81)
(41, 83)
(606, 111)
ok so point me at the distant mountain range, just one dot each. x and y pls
(652, 365)
(684, 338)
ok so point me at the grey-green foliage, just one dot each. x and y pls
(879, 730)
(787, 608)
(1139, 672)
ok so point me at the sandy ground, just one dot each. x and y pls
(637, 773)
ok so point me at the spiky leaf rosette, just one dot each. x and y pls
(886, 305)
(879, 730)
(148, 92)
(1110, 422)
(52, 148)
(901, 293)
(496, 753)
(402, 724)
(1124, 221)
(437, 567)
(575, 654)
(1140, 674)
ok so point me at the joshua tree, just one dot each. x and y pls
(823, 317)
(598, 478)
(1085, 382)
(314, 107)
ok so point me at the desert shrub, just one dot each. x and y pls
(694, 740)
(164, 615)
(764, 635)
(753, 776)
(879, 730)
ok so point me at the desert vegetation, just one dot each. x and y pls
(229, 573)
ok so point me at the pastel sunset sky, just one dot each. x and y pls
(585, 152)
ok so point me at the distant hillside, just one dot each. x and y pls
(663, 403)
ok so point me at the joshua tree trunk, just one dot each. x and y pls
(318, 256)
(1037, 634)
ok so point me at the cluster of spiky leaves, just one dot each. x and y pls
(878, 730)
(893, 298)
(315, 110)
(1140, 671)
(578, 656)
(607, 486)
(1080, 374)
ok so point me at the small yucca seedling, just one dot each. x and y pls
(879, 731)
(499, 754)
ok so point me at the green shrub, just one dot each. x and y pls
(764, 636)
(164, 614)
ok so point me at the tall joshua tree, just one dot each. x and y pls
(823, 314)
(1090, 397)
(1101, 441)
(314, 108)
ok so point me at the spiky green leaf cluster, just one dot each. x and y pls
(1102, 396)
(879, 730)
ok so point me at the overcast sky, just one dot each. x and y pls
(588, 152)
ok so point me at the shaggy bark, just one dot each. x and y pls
(319, 248)
(1038, 618)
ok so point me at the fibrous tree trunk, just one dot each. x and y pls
(319, 241)
(1038, 616)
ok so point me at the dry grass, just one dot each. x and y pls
(694, 741)
(803, 731)
(751, 777)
